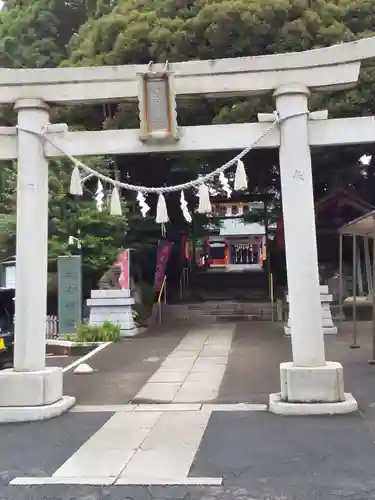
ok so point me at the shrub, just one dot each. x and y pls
(107, 332)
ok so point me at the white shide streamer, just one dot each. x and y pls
(115, 202)
(225, 184)
(240, 178)
(161, 210)
(185, 209)
(76, 187)
(142, 204)
(99, 196)
(204, 206)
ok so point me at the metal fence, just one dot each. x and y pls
(52, 327)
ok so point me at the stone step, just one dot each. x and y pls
(222, 312)
(225, 305)
(213, 319)
(252, 308)
(245, 317)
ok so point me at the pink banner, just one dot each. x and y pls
(123, 261)
(164, 251)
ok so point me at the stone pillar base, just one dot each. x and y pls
(279, 407)
(28, 396)
(312, 391)
(114, 306)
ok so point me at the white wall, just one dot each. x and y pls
(10, 277)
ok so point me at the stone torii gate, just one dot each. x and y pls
(309, 384)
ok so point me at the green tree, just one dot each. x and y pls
(138, 31)
(36, 33)
(100, 233)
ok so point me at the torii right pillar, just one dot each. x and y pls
(309, 384)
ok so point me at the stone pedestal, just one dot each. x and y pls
(325, 299)
(300, 384)
(312, 390)
(34, 395)
(114, 306)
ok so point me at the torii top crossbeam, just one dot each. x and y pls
(328, 68)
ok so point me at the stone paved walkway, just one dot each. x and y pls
(194, 370)
(123, 368)
(221, 363)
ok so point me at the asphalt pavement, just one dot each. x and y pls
(258, 456)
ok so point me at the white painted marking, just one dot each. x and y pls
(194, 371)
(184, 481)
(86, 356)
(91, 481)
(100, 481)
(102, 408)
(169, 407)
(235, 407)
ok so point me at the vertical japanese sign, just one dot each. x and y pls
(69, 293)
(164, 252)
(124, 261)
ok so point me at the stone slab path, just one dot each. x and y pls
(193, 372)
(140, 445)
(219, 363)
(122, 369)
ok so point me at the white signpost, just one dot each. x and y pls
(309, 384)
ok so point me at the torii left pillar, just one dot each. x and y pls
(31, 391)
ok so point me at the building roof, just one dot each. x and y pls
(235, 226)
(347, 197)
(362, 226)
